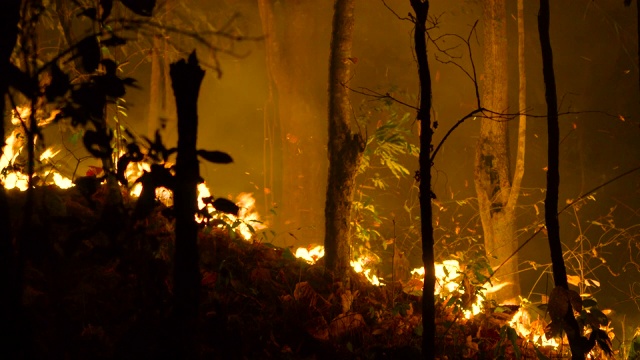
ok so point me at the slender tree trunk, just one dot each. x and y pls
(10, 272)
(186, 79)
(294, 127)
(426, 212)
(155, 89)
(492, 174)
(345, 147)
(570, 325)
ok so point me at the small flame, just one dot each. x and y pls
(362, 265)
(527, 329)
(310, 255)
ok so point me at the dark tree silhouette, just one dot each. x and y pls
(561, 296)
(186, 78)
(421, 9)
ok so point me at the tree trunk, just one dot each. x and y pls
(186, 79)
(570, 325)
(426, 212)
(294, 130)
(345, 147)
(492, 174)
(10, 271)
(155, 89)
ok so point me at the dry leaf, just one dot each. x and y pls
(346, 300)
(344, 324)
(318, 328)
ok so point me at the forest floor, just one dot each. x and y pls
(95, 293)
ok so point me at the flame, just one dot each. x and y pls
(362, 265)
(14, 144)
(448, 275)
(532, 331)
(310, 255)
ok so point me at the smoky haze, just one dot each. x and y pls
(595, 61)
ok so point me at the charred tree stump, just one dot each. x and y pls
(186, 78)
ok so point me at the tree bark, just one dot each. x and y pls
(295, 133)
(570, 325)
(426, 212)
(345, 147)
(492, 175)
(186, 79)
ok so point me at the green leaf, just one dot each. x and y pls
(288, 255)
(513, 337)
(539, 354)
(217, 157)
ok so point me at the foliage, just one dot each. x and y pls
(383, 160)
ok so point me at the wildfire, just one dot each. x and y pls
(448, 280)
(11, 177)
(532, 330)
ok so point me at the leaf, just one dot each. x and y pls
(114, 40)
(91, 13)
(587, 303)
(603, 340)
(98, 144)
(513, 337)
(110, 85)
(226, 206)
(88, 50)
(540, 355)
(216, 157)
(59, 85)
(106, 6)
(140, 7)
(123, 162)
